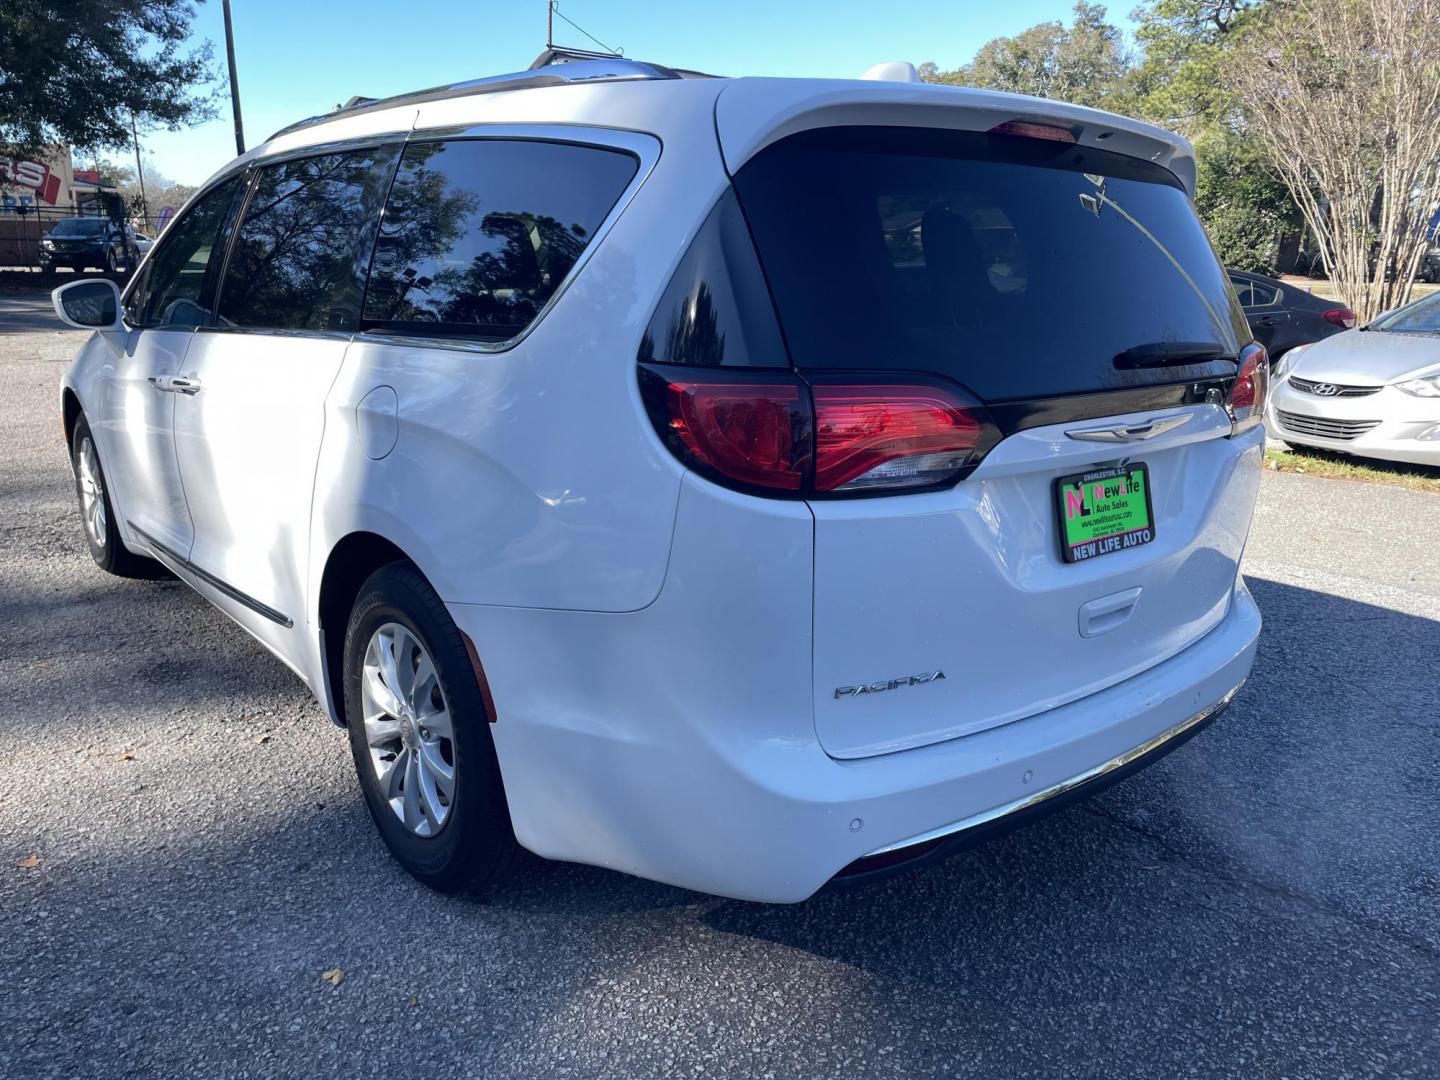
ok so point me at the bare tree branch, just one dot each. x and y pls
(1344, 97)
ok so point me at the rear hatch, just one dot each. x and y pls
(1071, 292)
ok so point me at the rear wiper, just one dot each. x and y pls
(1170, 354)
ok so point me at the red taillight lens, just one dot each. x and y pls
(750, 431)
(891, 436)
(777, 434)
(1252, 383)
(1340, 316)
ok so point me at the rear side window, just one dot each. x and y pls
(300, 252)
(716, 310)
(173, 290)
(1020, 268)
(479, 234)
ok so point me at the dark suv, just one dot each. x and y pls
(85, 242)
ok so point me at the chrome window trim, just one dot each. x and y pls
(646, 148)
(238, 167)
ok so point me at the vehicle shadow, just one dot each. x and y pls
(1299, 822)
(1273, 887)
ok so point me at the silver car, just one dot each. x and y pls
(1373, 391)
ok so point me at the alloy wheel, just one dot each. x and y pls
(92, 492)
(408, 729)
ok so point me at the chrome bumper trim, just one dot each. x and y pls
(1085, 777)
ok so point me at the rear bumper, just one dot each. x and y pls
(958, 836)
(665, 788)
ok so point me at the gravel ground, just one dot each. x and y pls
(1265, 902)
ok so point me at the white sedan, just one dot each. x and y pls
(1373, 391)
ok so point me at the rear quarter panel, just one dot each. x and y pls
(529, 476)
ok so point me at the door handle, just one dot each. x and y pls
(1105, 614)
(175, 384)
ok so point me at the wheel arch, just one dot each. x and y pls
(70, 411)
(351, 561)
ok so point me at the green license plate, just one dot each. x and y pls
(1104, 511)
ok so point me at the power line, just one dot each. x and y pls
(550, 30)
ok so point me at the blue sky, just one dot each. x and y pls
(298, 58)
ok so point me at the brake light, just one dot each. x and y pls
(890, 436)
(1030, 129)
(1247, 397)
(777, 434)
(1340, 316)
(751, 433)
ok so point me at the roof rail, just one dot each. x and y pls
(553, 67)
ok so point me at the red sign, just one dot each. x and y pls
(32, 174)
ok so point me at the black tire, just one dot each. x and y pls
(109, 552)
(110, 266)
(475, 846)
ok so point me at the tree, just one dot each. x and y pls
(1343, 96)
(1180, 85)
(1085, 62)
(160, 190)
(1178, 82)
(1247, 210)
(77, 71)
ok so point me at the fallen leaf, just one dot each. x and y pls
(260, 740)
(334, 976)
(414, 1001)
(125, 755)
(30, 862)
(43, 663)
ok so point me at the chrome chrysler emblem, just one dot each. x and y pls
(1325, 389)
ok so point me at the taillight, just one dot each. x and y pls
(778, 434)
(752, 433)
(882, 436)
(1340, 316)
(1252, 383)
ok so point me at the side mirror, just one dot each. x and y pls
(92, 304)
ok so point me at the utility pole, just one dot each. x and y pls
(140, 172)
(234, 86)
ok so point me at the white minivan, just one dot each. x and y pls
(741, 483)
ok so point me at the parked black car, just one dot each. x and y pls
(1430, 265)
(83, 243)
(1282, 316)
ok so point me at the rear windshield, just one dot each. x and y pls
(1018, 267)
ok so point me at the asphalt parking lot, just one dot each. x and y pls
(1264, 902)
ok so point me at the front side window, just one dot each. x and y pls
(479, 234)
(174, 289)
(300, 252)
